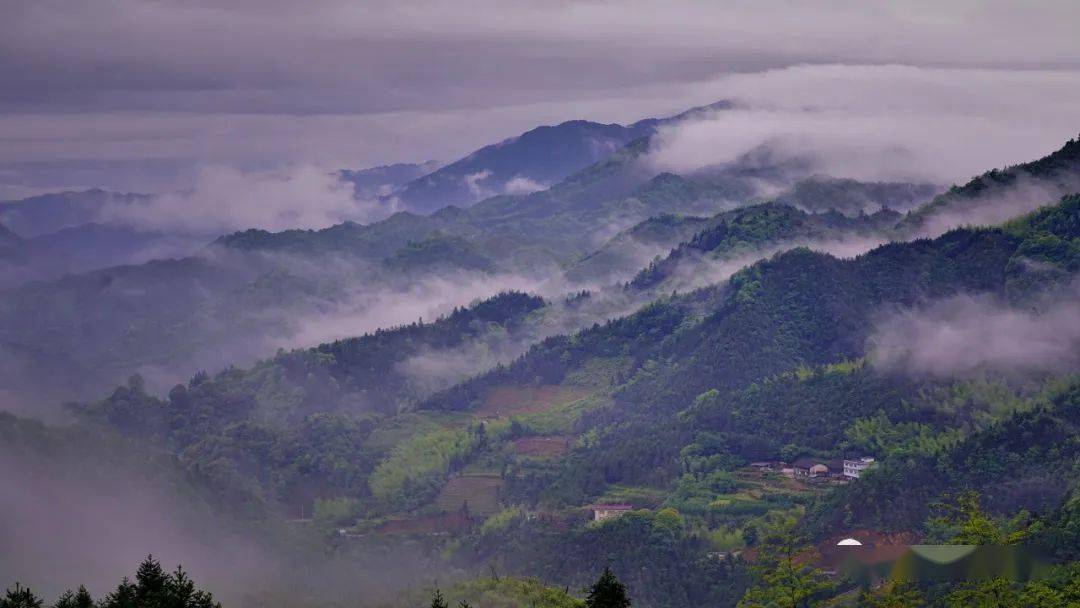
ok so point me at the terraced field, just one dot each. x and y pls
(481, 492)
(543, 447)
(503, 401)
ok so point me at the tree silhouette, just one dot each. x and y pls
(607, 592)
(20, 597)
(437, 600)
(78, 599)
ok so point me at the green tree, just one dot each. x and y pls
(20, 597)
(969, 525)
(994, 593)
(894, 594)
(750, 535)
(783, 578)
(607, 592)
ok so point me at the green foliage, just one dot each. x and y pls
(893, 594)
(782, 576)
(969, 525)
(336, 511)
(417, 468)
(695, 493)
(664, 564)
(501, 521)
(878, 435)
(508, 592)
(1002, 593)
(1025, 460)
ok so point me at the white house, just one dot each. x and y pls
(854, 468)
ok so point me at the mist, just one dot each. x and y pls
(999, 204)
(969, 336)
(225, 199)
(85, 508)
(881, 123)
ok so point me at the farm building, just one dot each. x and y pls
(602, 512)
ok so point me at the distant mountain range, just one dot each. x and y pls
(593, 229)
(532, 161)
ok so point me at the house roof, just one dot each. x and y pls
(805, 462)
(613, 507)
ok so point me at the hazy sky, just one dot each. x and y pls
(136, 92)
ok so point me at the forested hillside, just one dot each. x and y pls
(698, 382)
(663, 410)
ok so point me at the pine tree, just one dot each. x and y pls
(20, 597)
(83, 599)
(150, 580)
(67, 600)
(607, 592)
(78, 599)
(123, 597)
(437, 600)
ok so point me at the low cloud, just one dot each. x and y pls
(522, 185)
(885, 122)
(968, 336)
(998, 205)
(472, 181)
(366, 309)
(224, 199)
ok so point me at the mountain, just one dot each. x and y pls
(254, 291)
(529, 233)
(47, 213)
(10, 243)
(626, 252)
(1000, 194)
(24, 260)
(733, 238)
(529, 162)
(663, 409)
(94, 245)
(379, 181)
(73, 232)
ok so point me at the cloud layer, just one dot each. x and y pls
(224, 199)
(887, 122)
(258, 85)
(967, 336)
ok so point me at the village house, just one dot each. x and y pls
(810, 467)
(854, 468)
(602, 512)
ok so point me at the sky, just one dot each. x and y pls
(141, 95)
